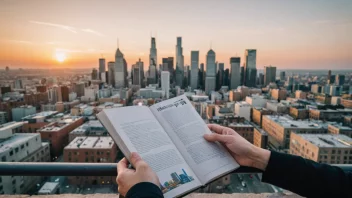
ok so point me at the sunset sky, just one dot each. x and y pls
(299, 34)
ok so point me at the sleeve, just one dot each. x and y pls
(144, 190)
(307, 178)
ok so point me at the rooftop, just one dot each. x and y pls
(328, 140)
(91, 142)
(16, 140)
(48, 187)
(41, 115)
(10, 125)
(341, 126)
(288, 122)
(240, 125)
(56, 126)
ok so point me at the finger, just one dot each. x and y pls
(220, 129)
(137, 161)
(217, 137)
(122, 165)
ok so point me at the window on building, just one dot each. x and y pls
(26, 143)
(86, 153)
(14, 181)
(339, 152)
(11, 153)
(332, 157)
(69, 159)
(87, 159)
(22, 146)
(0, 188)
(49, 135)
(333, 151)
(16, 150)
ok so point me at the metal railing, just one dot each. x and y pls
(85, 169)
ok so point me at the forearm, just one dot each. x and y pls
(307, 178)
(144, 190)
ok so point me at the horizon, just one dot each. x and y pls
(64, 34)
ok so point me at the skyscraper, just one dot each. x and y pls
(220, 75)
(194, 69)
(95, 74)
(250, 67)
(179, 62)
(101, 67)
(165, 83)
(140, 65)
(210, 79)
(111, 73)
(340, 79)
(282, 75)
(136, 73)
(269, 74)
(201, 76)
(226, 77)
(119, 70)
(152, 61)
(235, 72)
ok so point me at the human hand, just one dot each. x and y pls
(245, 153)
(126, 178)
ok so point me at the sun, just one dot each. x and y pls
(60, 56)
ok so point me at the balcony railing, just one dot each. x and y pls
(85, 169)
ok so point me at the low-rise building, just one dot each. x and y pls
(340, 129)
(279, 128)
(329, 114)
(277, 107)
(323, 98)
(56, 133)
(243, 109)
(347, 120)
(3, 117)
(257, 114)
(91, 150)
(20, 112)
(299, 112)
(49, 188)
(256, 101)
(322, 148)
(260, 137)
(20, 147)
(279, 94)
(300, 94)
(243, 129)
(90, 128)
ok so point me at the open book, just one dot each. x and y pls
(169, 137)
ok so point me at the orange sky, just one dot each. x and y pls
(294, 34)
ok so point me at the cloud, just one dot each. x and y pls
(64, 27)
(68, 28)
(92, 32)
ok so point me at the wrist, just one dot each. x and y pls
(260, 158)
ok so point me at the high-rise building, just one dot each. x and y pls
(194, 69)
(261, 79)
(235, 72)
(201, 76)
(165, 82)
(138, 73)
(220, 75)
(153, 61)
(242, 75)
(101, 67)
(140, 65)
(331, 80)
(250, 67)
(64, 93)
(329, 74)
(119, 70)
(226, 77)
(95, 74)
(79, 89)
(269, 74)
(111, 73)
(340, 79)
(210, 79)
(282, 75)
(179, 63)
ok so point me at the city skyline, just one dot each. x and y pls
(283, 34)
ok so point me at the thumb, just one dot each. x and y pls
(136, 160)
(217, 137)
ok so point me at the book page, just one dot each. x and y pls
(140, 132)
(186, 129)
